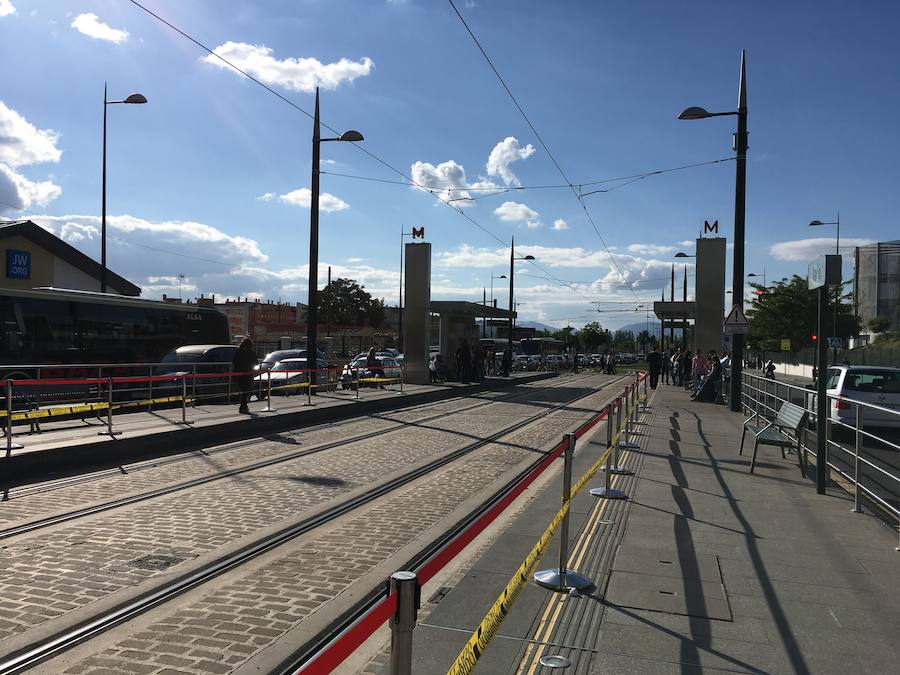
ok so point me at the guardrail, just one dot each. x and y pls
(31, 401)
(401, 599)
(868, 462)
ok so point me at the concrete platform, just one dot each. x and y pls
(70, 445)
(755, 573)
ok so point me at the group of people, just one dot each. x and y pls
(703, 375)
(472, 363)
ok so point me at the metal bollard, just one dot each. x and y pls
(607, 491)
(609, 425)
(150, 390)
(618, 414)
(308, 390)
(269, 407)
(109, 407)
(562, 578)
(194, 386)
(406, 586)
(626, 441)
(856, 490)
(10, 446)
(358, 384)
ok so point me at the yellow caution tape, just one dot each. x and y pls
(482, 636)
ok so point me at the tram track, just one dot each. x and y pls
(37, 524)
(59, 642)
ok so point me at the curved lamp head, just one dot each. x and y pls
(753, 274)
(694, 113)
(502, 276)
(528, 257)
(813, 223)
(352, 136)
(136, 98)
(682, 254)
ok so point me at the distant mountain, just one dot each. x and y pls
(536, 325)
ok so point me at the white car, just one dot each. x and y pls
(877, 385)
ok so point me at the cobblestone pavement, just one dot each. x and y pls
(69, 566)
(244, 614)
(147, 476)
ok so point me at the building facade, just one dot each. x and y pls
(876, 283)
(36, 258)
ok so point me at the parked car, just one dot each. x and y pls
(389, 368)
(877, 385)
(281, 354)
(203, 360)
(288, 372)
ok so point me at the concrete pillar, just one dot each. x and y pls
(709, 294)
(417, 312)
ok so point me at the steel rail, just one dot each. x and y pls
(32, 655)
(57, 519)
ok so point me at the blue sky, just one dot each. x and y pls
(207, 180)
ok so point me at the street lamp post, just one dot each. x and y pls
(837, 250)
(512, 260)
(740, 191)
(312, 309)
(501, 276)
(134, 99)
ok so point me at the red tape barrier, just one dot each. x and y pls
(335, 653)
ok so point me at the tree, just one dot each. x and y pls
(788, 310)
(879, 324)
(346, 303)
(592, 336)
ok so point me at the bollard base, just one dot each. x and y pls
(620, 471)
(555, 581)
(109, 433)
(629, 445)
(15, 446)
(608, 493)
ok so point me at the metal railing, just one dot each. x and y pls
(28, 397)
(861, 438)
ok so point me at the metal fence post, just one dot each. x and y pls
(562, 578)
(150, 389)
(109, 408)
(10, 446)
(308, 389)
(269, 407)
(184, 398)
(358, 384)
(194, 386)
(618, 414)
(856, 490)
(609, 425)
(406, 586)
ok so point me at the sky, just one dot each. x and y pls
(208, 184)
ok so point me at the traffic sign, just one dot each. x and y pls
(835, 342)
(736, 322)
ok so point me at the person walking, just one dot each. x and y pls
(666, 366)
(654, 360)
(699, 370)
(770, 370)
(686, 369)
(242, 364)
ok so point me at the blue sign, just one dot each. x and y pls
(18, 264)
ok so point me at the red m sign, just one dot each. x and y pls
(418, 232)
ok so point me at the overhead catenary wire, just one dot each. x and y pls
(539, 138)
(434, 193)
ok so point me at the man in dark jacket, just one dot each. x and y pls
(243, 363)
(654, 360)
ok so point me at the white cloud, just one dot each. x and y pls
(6, 8)
(560, 224)
(17, 192)
(303, 198)
(302, 74)
(90, 25)
(687, 242)
(22, 143)
(516, 212)
(505, 153)
(649, 249)
(447, 181)
(808, 249)
(267, 197)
